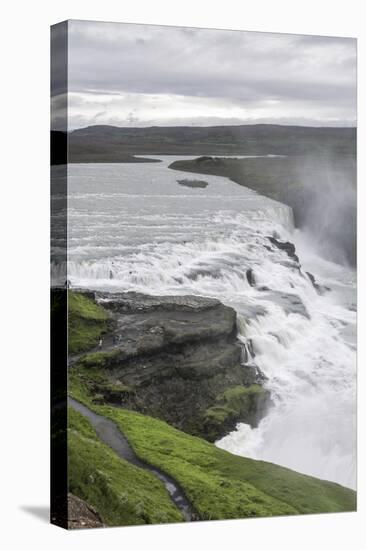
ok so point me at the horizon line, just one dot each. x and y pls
(354, 127)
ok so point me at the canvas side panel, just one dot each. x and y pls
(59, 57)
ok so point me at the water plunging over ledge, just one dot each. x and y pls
(133, 227)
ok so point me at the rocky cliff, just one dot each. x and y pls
(173, 357)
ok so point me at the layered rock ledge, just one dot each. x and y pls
(173, 357)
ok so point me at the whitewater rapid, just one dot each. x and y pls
(311, 370)
(133, 227)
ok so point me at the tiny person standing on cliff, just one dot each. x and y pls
(100, 343)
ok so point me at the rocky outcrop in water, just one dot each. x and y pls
(193, 183)
(174, 357)
(321, 289)
(288, 247)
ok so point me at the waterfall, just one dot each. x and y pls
(146, 233)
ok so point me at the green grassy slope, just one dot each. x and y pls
(122, 493)
(221, 485)
(87, 322)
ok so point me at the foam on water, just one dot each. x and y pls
(133, 227)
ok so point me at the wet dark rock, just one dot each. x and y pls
(203, 271)
(251, 311)
(171, 357)
(290, 303)
(250, 276)
(312, 279)
(200, 184)
(313, 282)
(130, 302)
(319, 288)
(253, 375)
(288, 247)
(234, 403)
(157, 324)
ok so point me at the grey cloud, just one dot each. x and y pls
(236, 68)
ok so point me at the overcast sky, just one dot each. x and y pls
(143, 75)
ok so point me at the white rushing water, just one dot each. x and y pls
(133, 227)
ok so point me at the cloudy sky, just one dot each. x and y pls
(137, 75)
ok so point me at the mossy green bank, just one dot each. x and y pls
(87, 321)
(218, 484)
(121, 493)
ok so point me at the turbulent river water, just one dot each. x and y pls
(133, 227)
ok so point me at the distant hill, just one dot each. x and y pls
(115, 144)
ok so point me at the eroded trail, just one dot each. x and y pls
(111, 435)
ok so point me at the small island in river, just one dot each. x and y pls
(193, 183)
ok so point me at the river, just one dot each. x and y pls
(133, 227)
